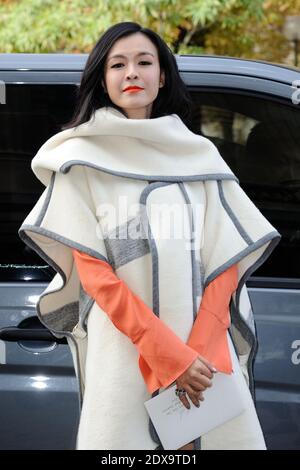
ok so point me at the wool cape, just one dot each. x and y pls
(111, 185)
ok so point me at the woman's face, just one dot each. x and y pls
(133, 69)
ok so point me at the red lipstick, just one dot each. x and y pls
(132, 89)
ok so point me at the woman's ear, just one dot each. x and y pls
(162, 79)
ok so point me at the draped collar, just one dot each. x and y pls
(158, 148)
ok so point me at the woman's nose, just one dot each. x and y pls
(131, 72)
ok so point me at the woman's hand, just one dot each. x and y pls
(195, 380)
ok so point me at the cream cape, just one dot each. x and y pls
(111, 185)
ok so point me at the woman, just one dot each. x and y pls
(143, 307)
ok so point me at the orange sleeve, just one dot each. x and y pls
(163, 355)
(209, 333)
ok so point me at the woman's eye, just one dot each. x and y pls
(142, 62)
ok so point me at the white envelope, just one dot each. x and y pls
(176, 425)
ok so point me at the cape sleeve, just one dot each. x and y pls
(63, 218)
(163, 355)
(236, 232)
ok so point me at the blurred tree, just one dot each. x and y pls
(242, 28)
(263, 39)
(75, 25)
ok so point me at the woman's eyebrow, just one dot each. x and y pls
(124, 57)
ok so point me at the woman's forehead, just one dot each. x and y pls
(133, 45)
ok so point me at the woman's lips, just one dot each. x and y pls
(133, 90)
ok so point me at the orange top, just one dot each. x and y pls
(163, 355)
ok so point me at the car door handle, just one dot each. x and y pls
(31, 334)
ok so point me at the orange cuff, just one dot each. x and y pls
(209, 332)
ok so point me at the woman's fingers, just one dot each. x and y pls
(185, 402)
(200, 382)
(203, 369)
(195, 380)
(209, 366)
(194, 396)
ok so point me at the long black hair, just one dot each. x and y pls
(172, 98)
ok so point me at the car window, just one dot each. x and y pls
(31, 114)
(259, 138)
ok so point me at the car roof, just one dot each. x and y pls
(186, 63)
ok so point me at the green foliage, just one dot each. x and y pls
(52, 25)
(75, 25)
(222, 27)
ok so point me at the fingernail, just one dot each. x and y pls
(214, 369)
